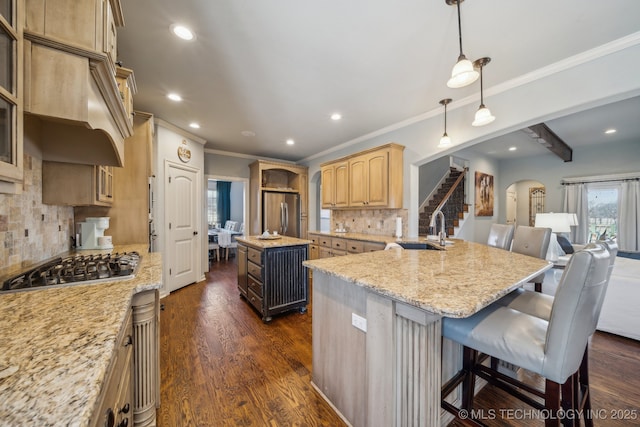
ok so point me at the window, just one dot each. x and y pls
(212, 207)
(603, 209)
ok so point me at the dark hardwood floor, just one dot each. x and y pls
(221, 366)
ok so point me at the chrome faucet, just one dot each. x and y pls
(442, 235)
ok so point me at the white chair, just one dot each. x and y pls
(214, 247)
(500, 236)
(532, 241)
(225, 240)
(553, 349)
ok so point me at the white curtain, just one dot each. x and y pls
(629, 213)
(576, 201)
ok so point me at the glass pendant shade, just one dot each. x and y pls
(463, 73)
(445, 141)
(483, 116)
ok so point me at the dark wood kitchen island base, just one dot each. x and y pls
(271, 275)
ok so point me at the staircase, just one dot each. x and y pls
(450, 196)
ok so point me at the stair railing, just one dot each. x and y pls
(451, 191)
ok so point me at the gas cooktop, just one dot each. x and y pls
(75, 269)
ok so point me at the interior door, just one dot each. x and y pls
(183, 219)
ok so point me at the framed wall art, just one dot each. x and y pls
(484, 194)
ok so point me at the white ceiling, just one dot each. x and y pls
(280, 68)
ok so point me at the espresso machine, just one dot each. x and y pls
(91, 234)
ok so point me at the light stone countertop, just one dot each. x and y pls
(456, 282)
(259, 243)
(62, 341)
(378, 238)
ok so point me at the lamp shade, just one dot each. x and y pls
(463, 74)
(445, 141)
(557, 222)
(483, 117)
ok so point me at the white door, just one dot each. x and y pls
(183, 206)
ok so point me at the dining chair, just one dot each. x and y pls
(553, 349)
(532, 241)
(500, 236)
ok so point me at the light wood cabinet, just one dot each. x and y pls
(283, 177)
(369, 179)
(115, 404)
(11, 97)
(72, 184)
(335, 187)
(327, 246)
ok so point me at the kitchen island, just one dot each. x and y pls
(377, 324)
(61, 342)
(271, 275)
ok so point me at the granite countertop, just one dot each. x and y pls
(378, 238)
(456, 282)
(61, 340)
(257, 242)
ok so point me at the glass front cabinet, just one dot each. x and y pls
(10, 94)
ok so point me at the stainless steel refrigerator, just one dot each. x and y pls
(281, 213)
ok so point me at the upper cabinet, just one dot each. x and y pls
(335, 187)
(78, 98)
(11, 13)
(372, 178)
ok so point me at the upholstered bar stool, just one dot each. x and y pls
(539, 305)
(500, 236)
(552, 349)
(532, 241)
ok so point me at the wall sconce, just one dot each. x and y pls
(463, 73)
(445, 141)
(483, 115)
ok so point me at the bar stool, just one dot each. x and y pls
(539, 305)
(532, 241)
(500, 236)
(552, 349)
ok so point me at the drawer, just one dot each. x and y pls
(255, 301)
(339, 244)
(336, 252)
(325, 241)
(254, 270)
(355, 246)
(255, 256)
(314, 238)
(373, 246)
(255, 286)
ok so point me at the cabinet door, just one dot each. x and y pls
(324, 252)
(377, 179)
(303, 227)
(303, 189)
(328, 183)
(314, 252)
(341, 185)
(358, 181)
(105, 184)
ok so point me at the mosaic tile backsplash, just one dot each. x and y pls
(381, 222)
(30, 231)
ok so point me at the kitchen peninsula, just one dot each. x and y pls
(377, 324)
(271, 275)
(58, 346)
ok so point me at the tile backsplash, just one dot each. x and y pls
(380, 222)
(30, 231)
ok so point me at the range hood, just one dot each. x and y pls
(73, 109)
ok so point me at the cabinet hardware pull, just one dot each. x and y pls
(128, 341)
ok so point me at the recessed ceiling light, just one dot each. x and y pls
(336, 116)
(513, 148)
(194, 125)
(248, 133)
(183, 32)
(174, 97)
(610, 131)
(290, 141)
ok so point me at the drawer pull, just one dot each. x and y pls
(127, 341)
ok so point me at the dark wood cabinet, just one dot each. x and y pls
(273, 280)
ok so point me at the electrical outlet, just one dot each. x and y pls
(359, 322)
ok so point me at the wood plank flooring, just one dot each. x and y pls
(221, 366)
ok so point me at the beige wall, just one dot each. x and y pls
(31, 232)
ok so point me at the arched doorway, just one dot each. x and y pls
(523, 200)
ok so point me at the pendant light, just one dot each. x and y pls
(463, 73)
(483, 115)
(445, 141)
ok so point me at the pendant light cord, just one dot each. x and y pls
(445, 118)
(459, 27)
(481, 89)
